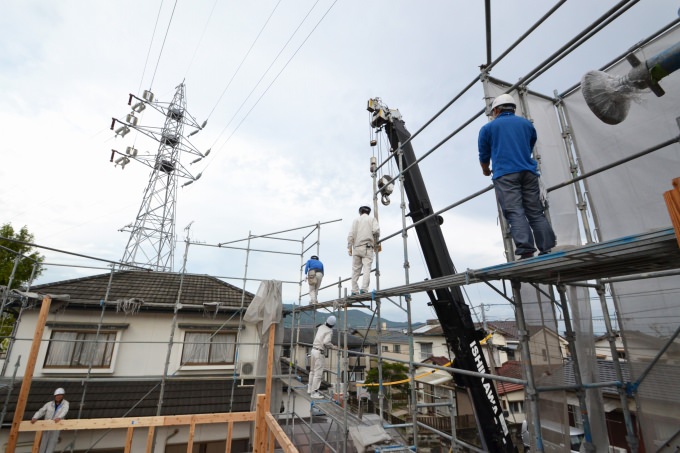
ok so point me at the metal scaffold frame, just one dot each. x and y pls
(647, 255)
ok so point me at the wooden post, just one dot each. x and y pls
(28, 375)
(270, 368)
(192, 431)
(260, 425)
(128, 439)
(230, 433)
(672, 198)
(149, 439)
(36, 442)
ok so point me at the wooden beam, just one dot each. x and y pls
(28, 375)
(138, 422)
(285, 443)
(128, 439)
(230, 434)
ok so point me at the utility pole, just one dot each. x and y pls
(152, 234)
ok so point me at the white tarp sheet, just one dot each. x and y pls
(628, 200)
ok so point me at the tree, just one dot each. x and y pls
(391, 372)
(9, 251)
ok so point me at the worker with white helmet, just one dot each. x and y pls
(361, 243)
(508, 142)
(53, 410)
(322, 340)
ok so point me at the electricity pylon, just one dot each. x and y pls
(152, 235)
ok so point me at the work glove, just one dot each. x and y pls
(349, 251)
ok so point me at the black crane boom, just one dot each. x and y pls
(452, 311)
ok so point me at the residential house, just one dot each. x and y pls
(138, 343)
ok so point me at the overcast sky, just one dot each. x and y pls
(294, 152)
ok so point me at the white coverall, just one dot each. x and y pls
(361, 240)
(314, 285)
(50, 411)
(322, 340)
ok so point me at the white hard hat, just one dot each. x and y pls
(331, 320)
(503, 99)
(59, 391)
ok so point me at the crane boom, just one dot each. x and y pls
(452, 311)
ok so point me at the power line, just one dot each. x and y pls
(153, 35)
(279, 74)
(163, 45)
(244, 59)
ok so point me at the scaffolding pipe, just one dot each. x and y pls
(532, 395)
(631, 437)
(240, 324)
(580, 393)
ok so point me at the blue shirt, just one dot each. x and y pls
(314, 265)
(507, 142)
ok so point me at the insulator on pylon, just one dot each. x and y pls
(148, 96)
(139, 107)
(130, 151)
(132, 119)
(122, 131)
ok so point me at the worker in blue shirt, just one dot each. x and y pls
(314, 273)
(508, 141)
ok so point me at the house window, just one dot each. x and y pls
(80, 349)
(425, 350)
(208, 348)
(396, 348)
(516, 407)
(374, 349)
(385, 348)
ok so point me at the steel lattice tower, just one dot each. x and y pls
(152, 235)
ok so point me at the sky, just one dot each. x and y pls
(283, 86)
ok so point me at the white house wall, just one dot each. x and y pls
(143, 344)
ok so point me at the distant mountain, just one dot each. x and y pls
(356, 319)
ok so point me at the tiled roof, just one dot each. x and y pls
(137, 398)
(151, 287)
(512, 369)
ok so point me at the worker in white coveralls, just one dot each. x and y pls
(361, 242)
(314, 272)
(322, 340)
(52, 410)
